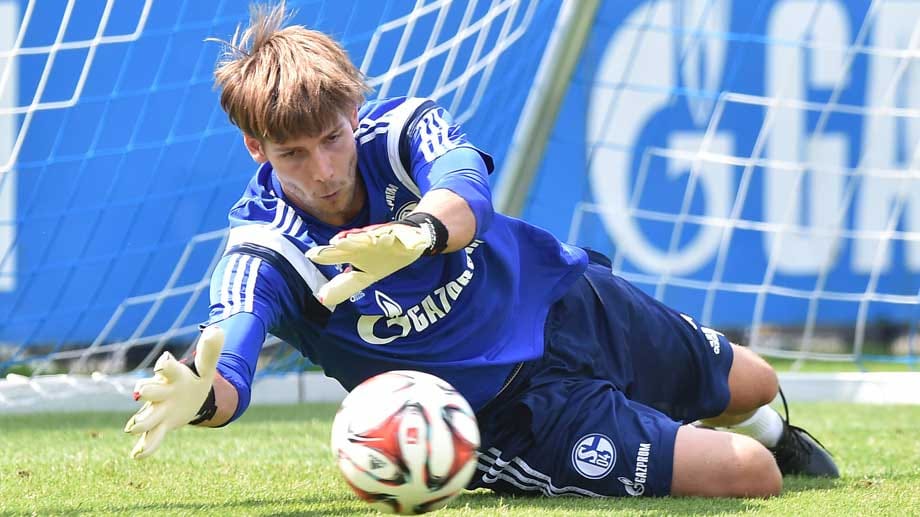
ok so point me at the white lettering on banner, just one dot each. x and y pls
(430, 310)
(9, 83)
(821, 65)
(807, 193)
(617, 116)
(697, 56)
(890, 142)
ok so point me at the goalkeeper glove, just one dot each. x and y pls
(176, 395)
(375, 252)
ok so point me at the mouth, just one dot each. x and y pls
(327, 197)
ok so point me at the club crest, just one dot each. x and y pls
(594, 456)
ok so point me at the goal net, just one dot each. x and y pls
(755, 165)
(117, 166)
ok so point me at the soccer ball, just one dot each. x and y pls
(405, 441)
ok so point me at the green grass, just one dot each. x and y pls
(792, 365)
(275, 461)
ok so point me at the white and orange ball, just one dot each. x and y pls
(406, 442)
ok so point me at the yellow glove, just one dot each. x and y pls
(175, 393)
(376, 252)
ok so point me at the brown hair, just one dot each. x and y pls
(282, 82)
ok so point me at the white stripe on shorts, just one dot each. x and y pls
(524, 477)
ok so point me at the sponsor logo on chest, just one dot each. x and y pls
(432, 309)
(390, 195)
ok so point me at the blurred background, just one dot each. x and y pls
(752, 163)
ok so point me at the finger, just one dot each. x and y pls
(168, 367)
(344, 233)
(343, 287)
(208, 350)
(412, 238)
(153, 391)
(129, 425)
(149, 442)
(156, 379)
(145, 419)
(360, 240)
(329, 255)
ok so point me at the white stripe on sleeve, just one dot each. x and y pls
(251, 276)
(225, 283)
(236, 288)
(398, 118)
(264, 235)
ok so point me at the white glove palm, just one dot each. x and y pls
(374, 252)
(173, 396)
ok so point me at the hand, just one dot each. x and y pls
(175, 393)
(374, 252)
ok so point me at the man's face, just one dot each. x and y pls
(318, 173)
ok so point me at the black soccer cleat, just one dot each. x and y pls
(798, 453)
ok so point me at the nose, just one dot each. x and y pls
(323, 167)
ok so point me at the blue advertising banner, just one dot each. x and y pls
(747, 160)
(744, 161)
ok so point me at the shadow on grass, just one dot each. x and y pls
(480, 502)
(484, 500)
(483, 504)
(805, 484)
(250, 506)
(627, 505)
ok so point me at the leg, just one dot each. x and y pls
(706, 377)
(718, 464)
(565, 435)
(752, 383)
(583, 437)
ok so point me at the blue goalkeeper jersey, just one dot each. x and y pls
(467, 316)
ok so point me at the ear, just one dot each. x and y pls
(354, 119)
(255, 148)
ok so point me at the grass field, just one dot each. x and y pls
(275, 461)
(788, 365)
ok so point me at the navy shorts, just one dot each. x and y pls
(598, 414)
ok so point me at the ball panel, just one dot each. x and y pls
(405, 441)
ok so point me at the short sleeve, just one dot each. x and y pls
(247, 283)
(431, 134)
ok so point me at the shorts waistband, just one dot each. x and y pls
(505, 385)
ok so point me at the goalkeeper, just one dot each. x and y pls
(367, 240)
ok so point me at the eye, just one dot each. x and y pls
(334, 136)
(289, 154)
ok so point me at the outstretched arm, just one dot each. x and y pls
(177, 394)
(456, 187)
(454, 213)
(455, 209)
(244, 334)
(214, 389)
(211, 391)
(226, 399)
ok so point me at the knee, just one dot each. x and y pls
(719, 464)
(753, 383)
(756, 473)
(769, 383)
